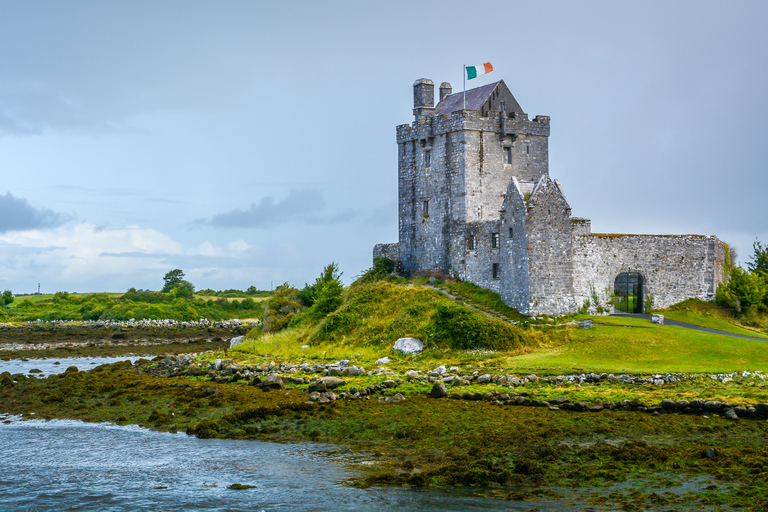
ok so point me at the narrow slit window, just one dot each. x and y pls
(507, 154)
(495, 270)
(471, 242)
(425, 207)
(527, 150)
(494, 240)
(428, 158)
(511, 232)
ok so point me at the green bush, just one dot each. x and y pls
(382, 268)
(281, 308)
(464, 328)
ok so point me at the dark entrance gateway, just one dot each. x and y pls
(628, 292)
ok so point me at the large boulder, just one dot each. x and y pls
(325, 383)
(236, 341)
(409, 345)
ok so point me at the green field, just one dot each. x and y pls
(637, 346)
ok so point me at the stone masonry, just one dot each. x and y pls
(476, 202)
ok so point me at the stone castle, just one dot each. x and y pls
(476, 202)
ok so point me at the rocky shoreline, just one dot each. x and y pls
(320, 387)
(110, 338)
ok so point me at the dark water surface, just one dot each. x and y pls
(70, 465)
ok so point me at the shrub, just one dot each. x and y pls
(382, 268)
(281, 308)
(325, 295)
(464, 328)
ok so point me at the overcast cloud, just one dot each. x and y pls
(269, 127)
(305, 206)
(17, 214)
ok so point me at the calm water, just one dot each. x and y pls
(69, 465)
(56, 366)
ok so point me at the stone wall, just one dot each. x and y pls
(391, 251)
(673, 267)
(549, 236)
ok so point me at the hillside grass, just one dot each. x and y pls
(628, 345)
(374, 315)
(706, 314)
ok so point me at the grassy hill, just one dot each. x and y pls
(374, 315)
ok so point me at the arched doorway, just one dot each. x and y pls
(628, 292)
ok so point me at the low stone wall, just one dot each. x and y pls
(673, 267)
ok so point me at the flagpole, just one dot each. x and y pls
(464, 82)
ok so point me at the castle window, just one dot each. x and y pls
(471, 242)
(507, 154)
(511, 232)
(425, 207)
(494, 240)
(495, 270)
(428, 158)
(528, 150)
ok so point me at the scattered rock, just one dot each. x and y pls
(484, 379)
(438, 390)
(657, 319)
(731, 414)
(272, 382)
(585, 324)
(326, 383)
(409, 345)
(236, 341)
(710, 453)
(383, 360)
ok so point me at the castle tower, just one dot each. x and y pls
(454, 165)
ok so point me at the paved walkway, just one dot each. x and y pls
(669, 321)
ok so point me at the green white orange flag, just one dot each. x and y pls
(476, 71)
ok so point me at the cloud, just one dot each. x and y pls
(304, 205)
(90, 257)
(16, 214)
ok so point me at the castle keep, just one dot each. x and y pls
(476, 202)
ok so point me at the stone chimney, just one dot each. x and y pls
(423, 97)
(445, 90)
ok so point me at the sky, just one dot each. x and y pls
(251, 143)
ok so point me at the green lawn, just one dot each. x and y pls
(637, 346)
(710, 321)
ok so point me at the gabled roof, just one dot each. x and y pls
(489, 96)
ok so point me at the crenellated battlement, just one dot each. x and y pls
(510, 123)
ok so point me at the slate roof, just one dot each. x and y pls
(475, 99)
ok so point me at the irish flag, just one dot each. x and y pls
(476, 71)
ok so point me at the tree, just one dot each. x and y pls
(281, 308)
(759, 263)
(7, 297)
(325, 295)
(172, 278)
(183, 289)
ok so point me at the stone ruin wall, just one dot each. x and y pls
(550, 264)
(391, 251)
(674, 267)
